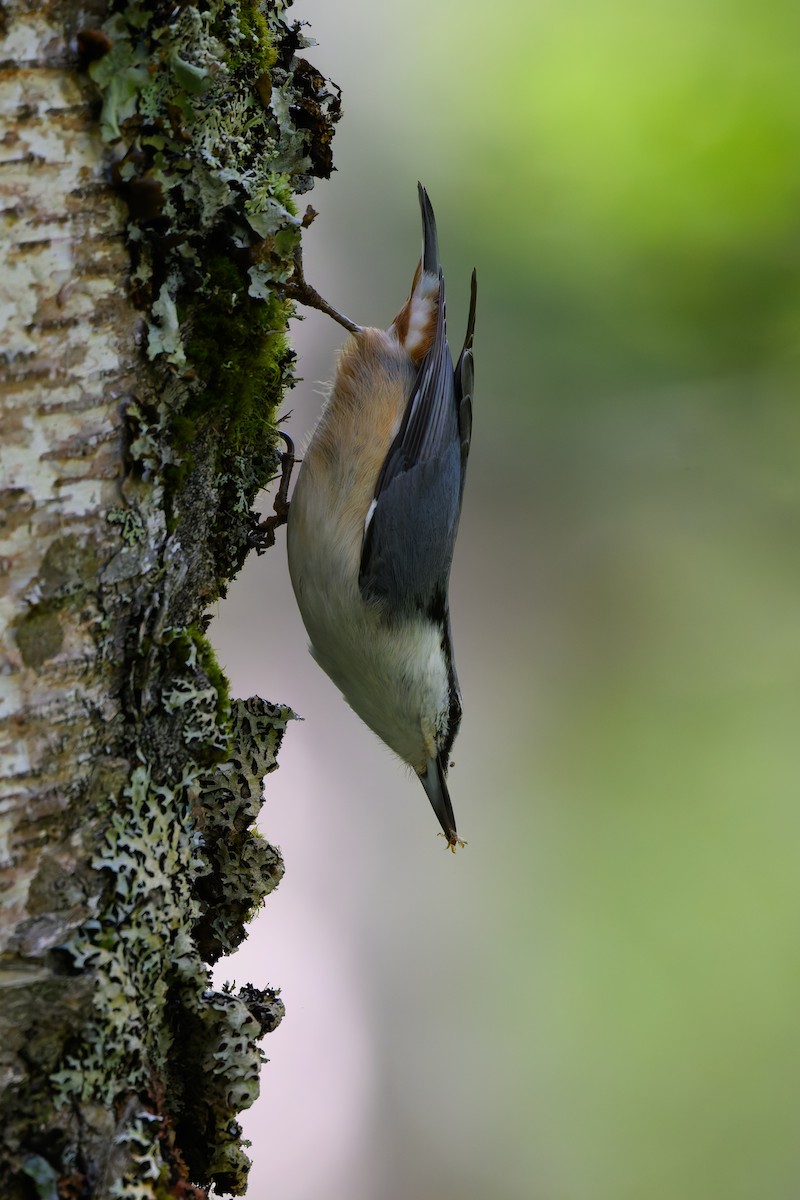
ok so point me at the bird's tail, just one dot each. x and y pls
(415, 324)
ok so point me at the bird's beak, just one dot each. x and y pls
(435, 784)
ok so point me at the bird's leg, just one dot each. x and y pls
(264, 534)
(298, 289)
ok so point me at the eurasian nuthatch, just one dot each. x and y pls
(373, 520)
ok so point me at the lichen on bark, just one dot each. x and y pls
(153, 338)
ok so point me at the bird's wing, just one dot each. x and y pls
(464, 380)
(412, 524)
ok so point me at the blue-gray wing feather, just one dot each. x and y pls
(408, 546)
(409, 541)
(464, 380)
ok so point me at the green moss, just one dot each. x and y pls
(259, 53)
(238, 348)
(217, 677)
(238, 352)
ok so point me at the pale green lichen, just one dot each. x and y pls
(244, 868)
(152, 854)
(140, 1137)
(148, 448)
(167, 848)
(42, 1175)
(197, 711)
(129, 523)
(164, 334)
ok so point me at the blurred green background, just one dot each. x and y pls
(597, 999)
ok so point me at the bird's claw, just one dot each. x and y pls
(263, 535)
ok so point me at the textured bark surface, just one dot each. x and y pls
(71, 357)
(147, 225)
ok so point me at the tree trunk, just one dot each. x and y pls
(147, 178)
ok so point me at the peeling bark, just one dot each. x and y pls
(147, 226)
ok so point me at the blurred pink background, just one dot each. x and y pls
(597, 998)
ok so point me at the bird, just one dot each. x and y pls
(373, 518)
